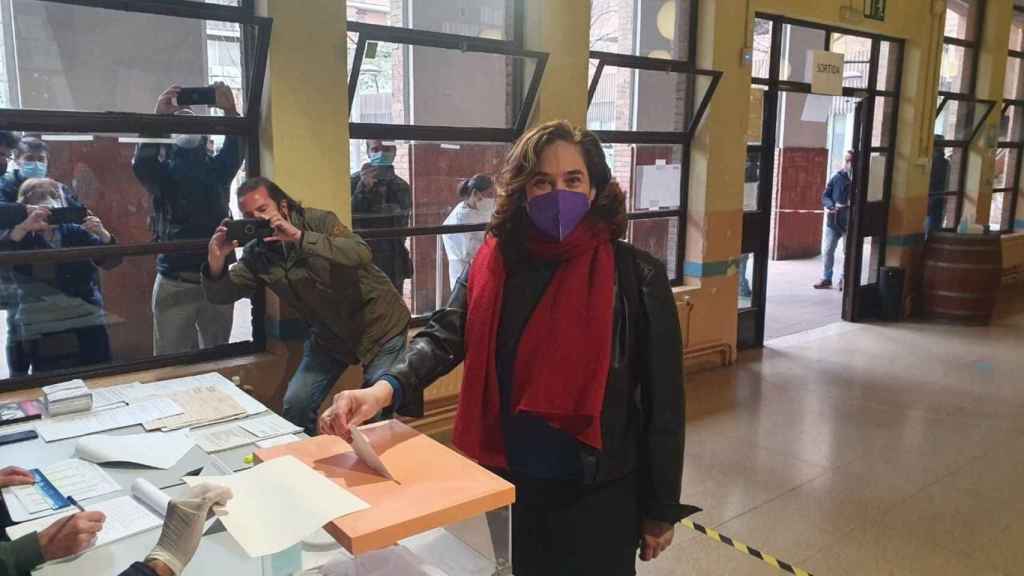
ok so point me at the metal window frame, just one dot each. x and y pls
(962, 143)
(1015, 142)
(683, 138)
(968, 94)
(440, 40)
(419, 133)
(255, 46)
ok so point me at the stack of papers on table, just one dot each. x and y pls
(136, 391)
(243, 433)
(92, 422)
(73, 477)
(67, 397)
(276, 504)
(200, 406)
(142, 510)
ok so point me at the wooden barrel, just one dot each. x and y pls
(962, 273)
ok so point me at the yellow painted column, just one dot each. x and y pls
(562, 29)
(304, 133)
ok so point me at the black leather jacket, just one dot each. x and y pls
(642, 422)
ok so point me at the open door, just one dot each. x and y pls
(869, 211)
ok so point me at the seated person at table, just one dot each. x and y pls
(71, 288)
(183, 528)
(326, 274)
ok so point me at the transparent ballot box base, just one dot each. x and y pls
(480, 546)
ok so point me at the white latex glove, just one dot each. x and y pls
(183, 525)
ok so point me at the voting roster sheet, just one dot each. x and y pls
(143, 509)
(73, 477)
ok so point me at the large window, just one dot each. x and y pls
(1006, 185)
(438, 92)
(645, 101)
(959, 113)
(79, 85)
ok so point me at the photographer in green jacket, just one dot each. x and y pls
(326, 274)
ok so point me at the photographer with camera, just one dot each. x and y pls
(190, 190)
(30, 344)
(382, 199)
(325, 273)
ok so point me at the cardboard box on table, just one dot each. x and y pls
(434, 486)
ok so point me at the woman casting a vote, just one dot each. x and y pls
(573, 384)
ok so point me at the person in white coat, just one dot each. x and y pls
(476, 207)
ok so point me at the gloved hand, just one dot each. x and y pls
(183, 525)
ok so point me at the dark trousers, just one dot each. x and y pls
(563, 528)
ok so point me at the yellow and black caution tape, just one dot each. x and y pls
(768, 558)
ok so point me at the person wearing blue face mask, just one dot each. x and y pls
(572, 355)
(382, 199)
(190, 189)
(32, 160)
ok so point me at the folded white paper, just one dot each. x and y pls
(156, 449)
(368, 455)
(278, 503)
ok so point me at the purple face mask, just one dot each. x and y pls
(557, 213)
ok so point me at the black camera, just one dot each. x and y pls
(67, 215)
(245, 230)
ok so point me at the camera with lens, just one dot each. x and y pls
(248, 229)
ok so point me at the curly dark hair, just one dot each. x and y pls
(510, 222)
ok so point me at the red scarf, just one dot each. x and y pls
(564, 353)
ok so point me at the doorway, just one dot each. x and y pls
(797, 140)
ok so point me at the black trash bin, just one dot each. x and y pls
(890, 288)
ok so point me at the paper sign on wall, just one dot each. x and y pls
(827, 73)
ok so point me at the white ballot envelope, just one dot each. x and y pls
(368, 455)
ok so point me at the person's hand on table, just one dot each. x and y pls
(183, 527)
(654, 539)
(353, 407)
(70, 535)
(14, 476)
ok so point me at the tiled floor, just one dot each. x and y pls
(793, 305)
(861, 450)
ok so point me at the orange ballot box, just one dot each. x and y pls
(433, 485)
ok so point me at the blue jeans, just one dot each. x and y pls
(832, 238)
(317, 374)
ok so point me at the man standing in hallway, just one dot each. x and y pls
(325, 273)
(836, 200)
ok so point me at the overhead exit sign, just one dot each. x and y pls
(874, 9)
